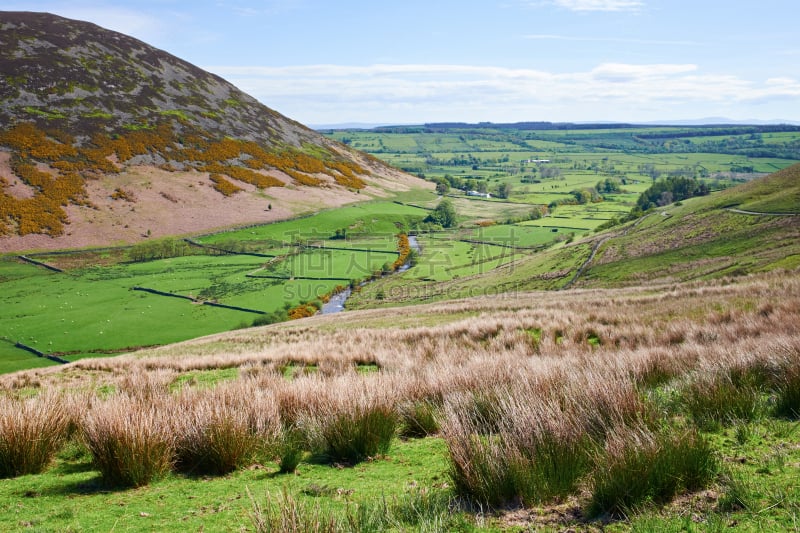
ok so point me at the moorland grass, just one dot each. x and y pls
(215, 435)
(639, 466)
(520, 427)
(32, 430)
(131, 441)
(416, 510)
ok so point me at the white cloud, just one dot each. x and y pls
(428, 92)
(600, 5)
(621, 72)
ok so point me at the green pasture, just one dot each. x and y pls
(81, 311)
(71, 497)
(369, 219)
(94, 310)
(444, 258)
(512, 235)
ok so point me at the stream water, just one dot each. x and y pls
(337, 301)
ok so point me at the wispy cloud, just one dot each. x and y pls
(264, 7)
(600, 5)
(419, 92)
(623, 40)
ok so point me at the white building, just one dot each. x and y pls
(480, 194)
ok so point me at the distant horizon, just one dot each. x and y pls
(503, 61)
(711, 121)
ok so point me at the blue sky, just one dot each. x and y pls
(414, 61)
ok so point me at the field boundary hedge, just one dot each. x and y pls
(39, 263)
(320, 247)
(223, 250)
(195, 300)
(40, 353)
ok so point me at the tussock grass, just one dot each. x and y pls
(419, 418)
(31, 432)
(289, 446)
(786, 384)
(213, 437)
(352, 433)
(717, 398)
(542, 446)
(287, 515)
(131, 441)
(640, 466)
(224, 428)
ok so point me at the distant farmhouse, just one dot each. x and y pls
(481, 194)
(537, 161)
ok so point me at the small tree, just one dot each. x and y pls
(442, 187)
(444, 214)
(503, 190)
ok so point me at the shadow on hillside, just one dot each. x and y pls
(95, 485)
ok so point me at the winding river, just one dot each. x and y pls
(337, 301)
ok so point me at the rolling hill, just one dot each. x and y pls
(751, 228)
(106, 139)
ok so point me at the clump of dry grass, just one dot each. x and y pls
(639, 465)
(419, 418)
(31, 432)
(786, 382)
(351, 422)
(131, 440)
(288, 516)
(220, 430)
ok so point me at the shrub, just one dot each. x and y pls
(639, 466)
(131, 441)
(223, 186)
(31, 432)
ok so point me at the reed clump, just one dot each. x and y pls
(131, 441)
(32, 431)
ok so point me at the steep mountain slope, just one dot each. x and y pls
(104, 138)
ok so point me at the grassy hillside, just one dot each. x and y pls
(777, 193)
(651, 405)
(706, 237)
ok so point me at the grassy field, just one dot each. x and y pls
(91, 307)
(686, 393)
